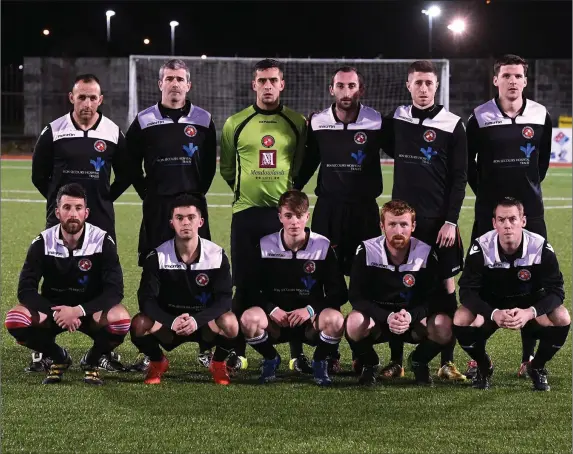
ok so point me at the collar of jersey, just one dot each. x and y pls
(523, 245)
(429, 112)
(75, 125)
(338, 120)
(180, 260)
(496, 101)
(268, 112)
(186, 109)
(60, 239)
(408, 261)
(283, 247)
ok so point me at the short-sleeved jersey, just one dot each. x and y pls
(89, 276)
(293, 280)
(178, 156)
(169, 287)
(260, 154)
(65, 154)
(494, 280)
(348, 154)
(513, 155)
(430, 160)
(378, 287)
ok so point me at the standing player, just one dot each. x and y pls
(393, 293)
(82, 146)
(511, 280)
(81, 290)
(176, 143)
(428, 145)
(185, 295)
(297, 289)
(261, 150)
(511, 137)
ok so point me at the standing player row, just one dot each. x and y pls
(268, 148)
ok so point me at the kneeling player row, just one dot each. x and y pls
(294, 291)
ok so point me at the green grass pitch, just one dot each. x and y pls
(189, 413)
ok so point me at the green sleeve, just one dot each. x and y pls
(228, 160)
(300, 148)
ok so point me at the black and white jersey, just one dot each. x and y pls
(64, 154)
(89, 276)
(378, 287)
(178, 149)
(494, 280)
(169, 287)
(512, 155)
(348, 154)
(430, 160)
(293, 280)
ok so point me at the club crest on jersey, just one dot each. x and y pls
(528, 132)
(409, 280)
(360, 138)
(524, 275)
(430, 135)
(202, 280)
(268, 141)
(190, 131)
(309, 267)
(85, 264)
(100, 146)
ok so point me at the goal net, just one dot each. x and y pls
(222, 85)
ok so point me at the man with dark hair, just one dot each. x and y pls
(509, 149)
(428, 145)
(511, 280)
(185, 295)
(297, 290)
(261, 150)
(82, 146)
(176, 143)
(82, 289)
(394, 294)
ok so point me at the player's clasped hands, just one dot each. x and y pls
(298, 317)
(280, 317)
(66, 317)
(512, 318)
(184, 325)
(399, 322)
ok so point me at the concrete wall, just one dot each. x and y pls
(48, 80)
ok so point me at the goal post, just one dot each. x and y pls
(222, 85)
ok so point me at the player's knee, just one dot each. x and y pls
(229, 324)
(332, 322)
(463, 317)
(251, 317)
(17, 319)
(440, 329)
(140, 325)
(356, 325)
(560, 316)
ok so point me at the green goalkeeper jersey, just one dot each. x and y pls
(261, 152)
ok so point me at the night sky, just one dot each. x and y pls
(320, 29)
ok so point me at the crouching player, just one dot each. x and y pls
(185, 296)
(81, 291)
(511, 280)
(299, 288)
(394, 293)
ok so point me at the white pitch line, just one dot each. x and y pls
(228, 194)
(229, 206)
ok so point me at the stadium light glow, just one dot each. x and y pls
(173, 24)
(108, 15)
(458, 26)
(431, 12)
(45, 32)
(203, 57)
(146, 41)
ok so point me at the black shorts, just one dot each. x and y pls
(247, 229)
(304, 333)
(155, 228)
(483, 224)
(382, 334)
(450, 259)
(88, 326)
(346, 224)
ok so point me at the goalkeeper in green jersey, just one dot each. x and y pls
(261, 151)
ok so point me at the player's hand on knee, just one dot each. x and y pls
(66, 317)
(298, 317)
(399, 322)
(519, 317)
(179, 320)
(187, 327)
(501, 317)
(280, 317)
(446, 235)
